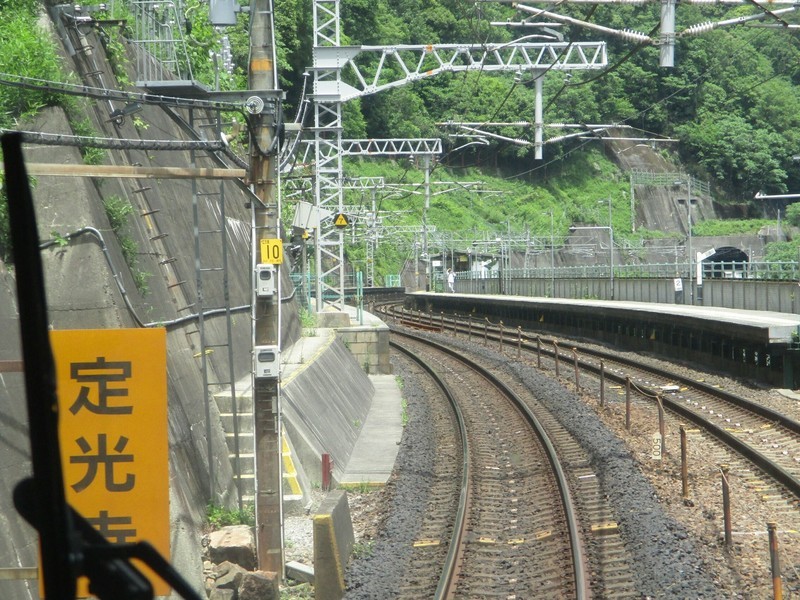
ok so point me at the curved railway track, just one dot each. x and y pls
(518, 533)
(766, 438)
(516, 540)
(433, 561)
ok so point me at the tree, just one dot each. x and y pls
(735, 152)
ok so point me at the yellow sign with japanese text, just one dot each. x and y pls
(112, 401)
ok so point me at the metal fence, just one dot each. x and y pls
(775, 271)
(748, 286)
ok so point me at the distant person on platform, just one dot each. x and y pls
(451, 281)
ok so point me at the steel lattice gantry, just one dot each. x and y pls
(416, 62)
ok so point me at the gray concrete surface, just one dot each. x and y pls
(372, 459)
(326, 400)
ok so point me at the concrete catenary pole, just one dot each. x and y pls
(266, 310)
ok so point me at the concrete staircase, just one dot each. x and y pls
(244, 475)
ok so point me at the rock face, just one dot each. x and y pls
(230, 569)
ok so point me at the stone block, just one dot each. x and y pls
(229, 576)
(333, 542)
(234, 544)
(222, 594)
(260, 585)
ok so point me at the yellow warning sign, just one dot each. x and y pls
(112, 402)
(341, 220)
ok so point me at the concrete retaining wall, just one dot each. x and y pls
(369, 345)
(324, 413)
(364, 335)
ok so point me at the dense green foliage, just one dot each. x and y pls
(498, 207)
(220, 516)
(25, 49)
(793, 214)
(732, 99)
(5, 232)
(717, 227)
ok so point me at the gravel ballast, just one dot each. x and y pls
(669, 565)
(676, 542)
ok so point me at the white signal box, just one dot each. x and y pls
(266, 362)
(265, 280)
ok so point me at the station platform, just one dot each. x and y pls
(760, 345)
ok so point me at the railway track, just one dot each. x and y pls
(516, 541)
(432, 560)
(766, 438)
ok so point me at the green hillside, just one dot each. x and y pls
(732, 100)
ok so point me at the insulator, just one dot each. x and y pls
(699, 28)
(634, 36)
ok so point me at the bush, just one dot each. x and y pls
(219, 516)
(26, 50)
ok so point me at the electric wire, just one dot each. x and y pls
(84, 141)
(71, 89)
(98, 236)
(104, 247)
(689, 85)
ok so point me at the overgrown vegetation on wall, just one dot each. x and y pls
(118, 210)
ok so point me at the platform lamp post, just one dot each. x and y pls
(552, 257)
(611, 253)
(611, 248)
(502, 269)
(689, 201)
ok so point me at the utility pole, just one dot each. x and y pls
(267, 250)
(552, 259)
(689, 234)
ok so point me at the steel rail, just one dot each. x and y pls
(761, 461)
(448, 578)
(578, 558)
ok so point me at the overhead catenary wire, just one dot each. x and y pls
(689, 85)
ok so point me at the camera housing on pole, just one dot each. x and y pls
(267, 362)
(265, 280)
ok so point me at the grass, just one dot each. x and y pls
(308, 321)
(301, 591)
(362, 487)
(362, 549)
(579, 194)
(220, 516)
(118, 210)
